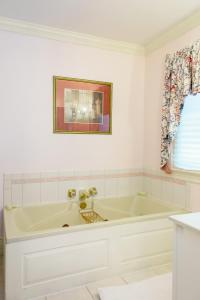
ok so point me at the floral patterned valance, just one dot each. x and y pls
(182, 77)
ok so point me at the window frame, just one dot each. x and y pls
(180, 171)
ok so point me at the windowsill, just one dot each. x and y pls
(184, 175)
(188, 175)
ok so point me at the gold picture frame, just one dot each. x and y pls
(82, 106)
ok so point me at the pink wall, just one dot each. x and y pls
(27, 142)
(153, 96)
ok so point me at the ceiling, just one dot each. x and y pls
(135, 21)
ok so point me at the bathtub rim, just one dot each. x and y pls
(10, 237)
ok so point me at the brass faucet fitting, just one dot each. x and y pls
(92, 191)
(83, 195)
(71, 193)
(83, 205)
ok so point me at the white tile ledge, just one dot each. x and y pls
(189, 176)
(179, 175)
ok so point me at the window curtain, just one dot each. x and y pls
(182, 77)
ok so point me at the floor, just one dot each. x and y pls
(89, 291)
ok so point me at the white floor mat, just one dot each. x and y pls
(155, 288)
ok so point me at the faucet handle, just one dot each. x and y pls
(71, 193)
(83, 195)
(92, 191)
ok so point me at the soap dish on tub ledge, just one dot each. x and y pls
(90, 216)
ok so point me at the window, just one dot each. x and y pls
(186, 154)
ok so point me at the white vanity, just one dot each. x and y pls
(186, 270)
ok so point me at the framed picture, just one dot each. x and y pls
(82, 106)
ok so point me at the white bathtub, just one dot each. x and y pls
(42, 257)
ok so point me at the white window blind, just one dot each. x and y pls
(186, 154)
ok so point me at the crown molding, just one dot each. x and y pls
(62, 35)
(57, 34)
(174, 32)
